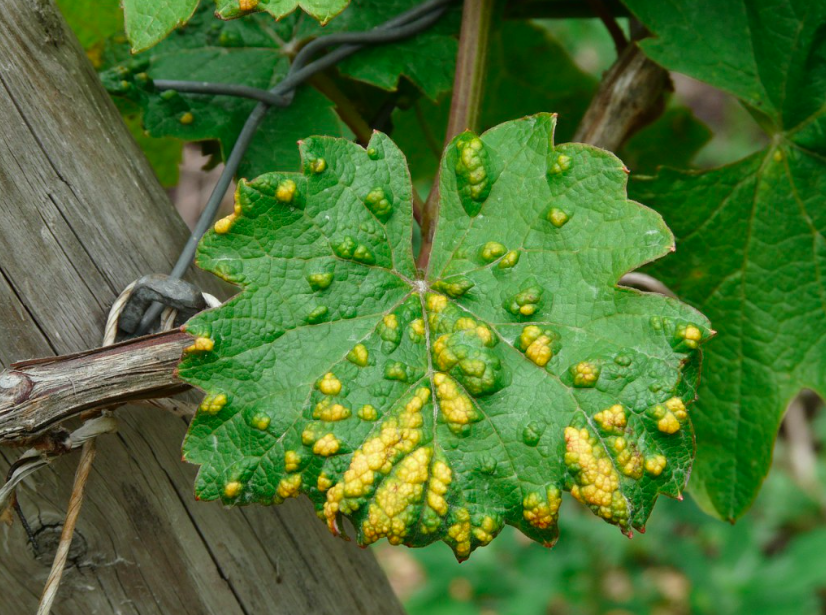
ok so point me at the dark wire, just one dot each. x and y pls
(399, 28)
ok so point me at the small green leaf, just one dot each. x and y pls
(425, 415)
(750, 235)
(149, 21)
(243, 52)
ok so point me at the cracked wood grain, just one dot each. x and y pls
(83, 216)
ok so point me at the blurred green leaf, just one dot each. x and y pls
(750, 250)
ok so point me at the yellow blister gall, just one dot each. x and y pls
(655, 464)
(232, 489)
(562, 163)
(320, 281)
(690, 335)
(669, 423)
(359, 355)
(324, 482)
(247, 5)
(325, 410)
(329, 384)
(289, 487)
(223, 226)
(596, 480)
(186, 118)
(212, 404)
(585, 374)
(368, 413)
(286, 191)
(326, 445)
(201, 344)
(677, 407)
(455, 405)
(611, 419)
(509, 260)
(319, 165)
(261, 421)
(557, 217)
(460, 532)
(392, 512)
(492, 250)
(292, 461)
(398, 436)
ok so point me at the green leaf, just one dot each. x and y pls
(446, 406)
(427, 59)
(671, 141)
(517, 85)
(254, 52)
(750, 235)
(148, 22)
(322, 10)
(242, 52)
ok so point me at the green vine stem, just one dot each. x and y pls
(468, 84)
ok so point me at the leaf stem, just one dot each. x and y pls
(471, 62)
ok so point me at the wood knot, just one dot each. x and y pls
(15, 386)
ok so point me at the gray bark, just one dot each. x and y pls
(82, 215)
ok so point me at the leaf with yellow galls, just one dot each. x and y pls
(444, 405)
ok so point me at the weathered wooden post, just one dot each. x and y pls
(81, 215)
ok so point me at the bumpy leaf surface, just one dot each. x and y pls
(148, 22)
(445, 405)
(750, 235)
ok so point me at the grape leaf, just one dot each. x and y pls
(243, 52)
(148, 22)
(750, 234)
(254, 52)
(427, 59)
(443, 407)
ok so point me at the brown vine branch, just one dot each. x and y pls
(630, 96)
(36, 396)
(471, 62)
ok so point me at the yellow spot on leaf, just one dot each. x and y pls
(611, 419)
(232, 489)
(324, 482)
(367, 413)
(186, 119)
(655, 464)
(359, 355)
(325, 410)
(676, 405)
(509, 260)
(669, 423)
(318, 165)
(455, 405)
(436, 303)
(291, 461)
(201, 344)
(557, 217)
(247, 5)
(329, 384)
(289, 487)
(585, 374)
(261, 422)
(597, 482)
(326, 445)
(224, 224)
(492, 250)
(212, 404)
